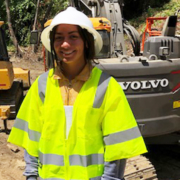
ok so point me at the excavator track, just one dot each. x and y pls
(139, 168)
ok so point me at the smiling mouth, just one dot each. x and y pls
(67, 53)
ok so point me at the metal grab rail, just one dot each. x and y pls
(149, 30)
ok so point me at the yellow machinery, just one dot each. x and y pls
(103, 26)
(13, 81)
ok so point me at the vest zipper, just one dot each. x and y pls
(66, 140)
(68, 89)
(66, 161)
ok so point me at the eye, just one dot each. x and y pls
(74, 36)
(58, 38)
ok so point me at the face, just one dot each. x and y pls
(68, 44)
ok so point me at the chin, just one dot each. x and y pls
(67, 61)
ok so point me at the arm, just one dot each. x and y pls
(27, 128)
(31, 178)
(114, 170)
(31, 170)
(121, 136)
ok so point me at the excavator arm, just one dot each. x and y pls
(112, 10)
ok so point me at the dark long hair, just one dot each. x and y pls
(88, 39)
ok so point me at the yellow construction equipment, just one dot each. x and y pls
(13, 82)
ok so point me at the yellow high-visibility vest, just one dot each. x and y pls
(103, 128)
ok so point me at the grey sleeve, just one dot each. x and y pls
(31, 178)
(114, 170)
(31, 170)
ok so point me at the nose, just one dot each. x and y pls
(65, 43)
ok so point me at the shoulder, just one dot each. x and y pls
(43, 78)
(40, 81)
(112, 81)
(98, 72)
(45, 75)
(113, 88)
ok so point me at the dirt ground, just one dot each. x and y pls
(12, 164)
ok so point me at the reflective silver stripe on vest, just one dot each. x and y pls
(53, 159)
(42, 81)
(50, 178)
(101, 90)
(78, 160)
(122, 136)
(23, 125)
(96, 178)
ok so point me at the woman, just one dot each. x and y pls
(75, 120)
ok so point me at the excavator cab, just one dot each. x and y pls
(103, 26)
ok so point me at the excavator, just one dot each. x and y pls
(150, 79)
(13, 83)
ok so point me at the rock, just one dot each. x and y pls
(13, 148)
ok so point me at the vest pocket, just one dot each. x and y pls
(54, 123)
(88, 122)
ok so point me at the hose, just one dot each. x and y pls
(133, 36)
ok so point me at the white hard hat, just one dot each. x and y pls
(74, 17)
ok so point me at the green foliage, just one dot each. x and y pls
(11, 48)
(23, 14)
(58, 5)
(166, 10)
(134, 8)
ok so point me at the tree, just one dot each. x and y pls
(22, 17)
(34, 47)
(49, 8)
(19, 52)
(50, 5)
(35, 19)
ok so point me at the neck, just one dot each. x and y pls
(72, 70)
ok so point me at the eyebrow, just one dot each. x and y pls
(71, 32)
